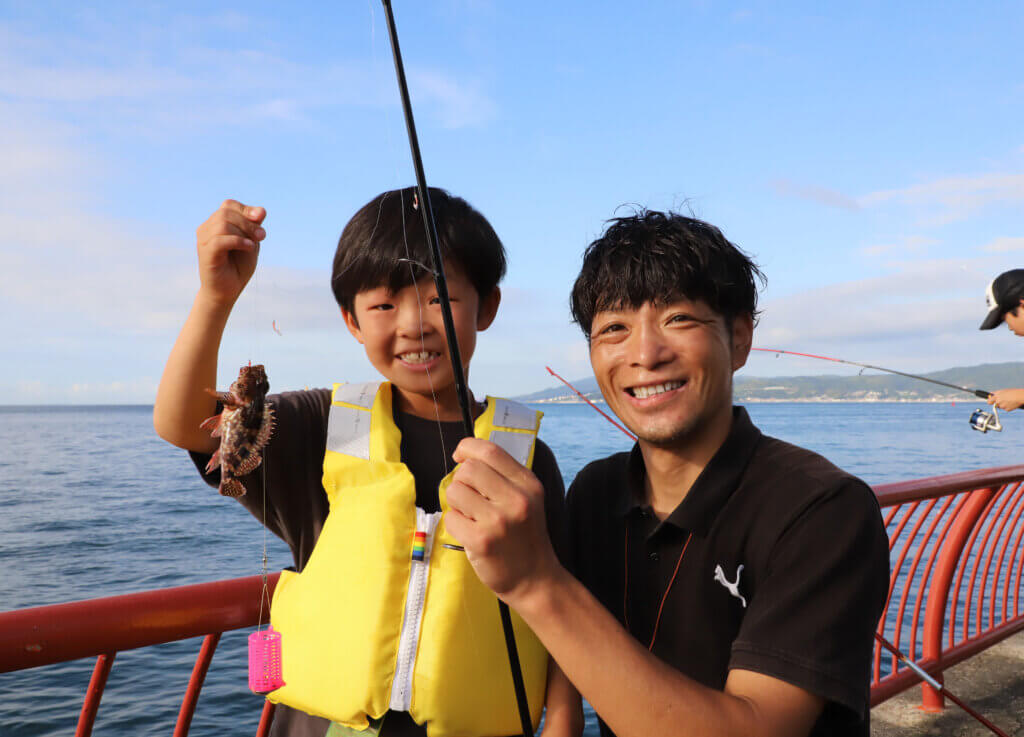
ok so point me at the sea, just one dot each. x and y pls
(93, 504)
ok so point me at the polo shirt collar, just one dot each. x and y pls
(713, 486)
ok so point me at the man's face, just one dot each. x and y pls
(1015, 319)
(666, 370)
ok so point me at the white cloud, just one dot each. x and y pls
(1003, 244)
(938, 202)
(910, 243)
(951, 199)
(821, 195)
(919, 298)
(170, 86)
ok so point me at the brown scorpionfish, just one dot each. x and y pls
(244, 426)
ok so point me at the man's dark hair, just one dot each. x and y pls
(384, 244)
(659, 257)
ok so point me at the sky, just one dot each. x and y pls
(869, 156)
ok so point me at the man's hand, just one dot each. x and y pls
(1008, 399)
(497, 514)
(228, 247)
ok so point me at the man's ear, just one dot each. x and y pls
(352, 324)
(488, 309)
(742, 339)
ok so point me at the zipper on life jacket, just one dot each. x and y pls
(423, 543)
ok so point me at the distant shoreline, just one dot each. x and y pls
(794, 400)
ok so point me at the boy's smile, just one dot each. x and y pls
(404, 338)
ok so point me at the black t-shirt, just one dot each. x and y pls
(286, 493)
(786, 571)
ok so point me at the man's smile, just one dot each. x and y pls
(646, 391)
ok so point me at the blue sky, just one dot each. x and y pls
(870, 157)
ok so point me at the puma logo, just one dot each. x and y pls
(734, 587)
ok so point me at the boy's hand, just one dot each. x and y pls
(228, 247)
(1008, 399)
(497, 513)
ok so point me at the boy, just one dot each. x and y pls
(1004, 297)
(313, 465)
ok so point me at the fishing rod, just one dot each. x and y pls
(881, 640)
(923, 675)
(980, 420)
(603, 414)
(461, 388)
(983, 394)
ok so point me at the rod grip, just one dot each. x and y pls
(982, 393)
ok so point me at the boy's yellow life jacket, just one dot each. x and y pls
(384, 616)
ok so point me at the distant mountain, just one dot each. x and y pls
(562, 393)
(871, 386)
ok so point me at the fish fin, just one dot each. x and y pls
(230, 486)
(214, 461)
(249, 465)
(212, 424)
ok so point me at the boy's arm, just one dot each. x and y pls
(503, 533)
(563, 707)
(227, 246)
(1008, 399)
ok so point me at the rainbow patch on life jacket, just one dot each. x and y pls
(419, 545)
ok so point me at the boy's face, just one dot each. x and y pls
(403, 335)
(666, 370)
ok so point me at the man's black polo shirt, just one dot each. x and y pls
(814, 556)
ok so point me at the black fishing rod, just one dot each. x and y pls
(461, 388)
(976, 392)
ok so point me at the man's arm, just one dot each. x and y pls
(227, 248)
(497, 514)
(1008, 399)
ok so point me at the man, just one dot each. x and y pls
(1004, 297)
(726, 583)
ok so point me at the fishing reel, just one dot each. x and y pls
(983, 421)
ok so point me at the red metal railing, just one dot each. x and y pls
(955, 589)
(955, 584)
(101, 628)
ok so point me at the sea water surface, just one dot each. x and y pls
(93, 504)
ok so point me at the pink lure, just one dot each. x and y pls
(265, 661)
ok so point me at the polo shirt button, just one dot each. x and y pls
(654, 556)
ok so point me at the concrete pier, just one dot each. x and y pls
(991, 683)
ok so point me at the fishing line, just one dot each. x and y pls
(882, 641)
(462, 390)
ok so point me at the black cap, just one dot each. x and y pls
(1004, 293)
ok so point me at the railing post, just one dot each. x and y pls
(97, 684)
(938, 592)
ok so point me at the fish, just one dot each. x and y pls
(244, 427)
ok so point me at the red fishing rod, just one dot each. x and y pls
(976, 392)
(881, 640)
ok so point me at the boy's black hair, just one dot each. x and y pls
(384, 245)
(659, 257)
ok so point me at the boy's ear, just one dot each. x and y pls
(352, 324)
(488, 309)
